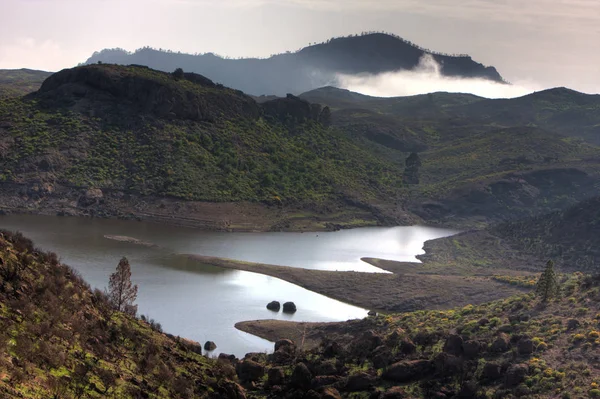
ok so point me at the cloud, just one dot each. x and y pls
(427, 78)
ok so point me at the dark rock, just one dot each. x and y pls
(516, 374)
(274, 305)
(483, 322)
(394, 393)
(453, 345)
(91, 197)
(210, 346)
(249, 370)
(472, 349)
(275, 376)
(500, 344)
(372, 313)
(227, 357)
(282, 356)
(572, 324)
(311, 394)
(326, 368)
(406, 371)
(447, 364)
(525, 346)
(301, 377)
(395, 337)
(468, 390)
(231, 390)
(366, 343)
(360, 381)
(288, 344)
(324, 380)
(332, 349)
(426, 338)
(289, 307)
(407, 347)
(411, 171)
(330, 393)
(382, 356)
(491, 371)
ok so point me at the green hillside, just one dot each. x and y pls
(148, 132)
(19, 82)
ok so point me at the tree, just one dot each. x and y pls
(325, 117)
(178, 74)
(547, 286)
(121, 292)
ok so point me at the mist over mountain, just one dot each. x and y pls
(309, 68)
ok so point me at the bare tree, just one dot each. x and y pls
(121, 292)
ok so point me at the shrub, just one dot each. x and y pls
(578, 337)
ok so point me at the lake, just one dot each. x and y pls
(203, 302)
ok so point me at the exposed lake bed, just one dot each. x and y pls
(203, 302)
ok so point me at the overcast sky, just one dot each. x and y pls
(542, 42)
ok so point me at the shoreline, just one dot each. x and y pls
(382, 292)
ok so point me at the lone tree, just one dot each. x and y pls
(547, 286)
(121, 292)
(178, 74)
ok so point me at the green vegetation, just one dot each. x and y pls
(59, 339)
(219, 148)
(547, 286)
(19, 82)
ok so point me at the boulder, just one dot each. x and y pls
(288, 344)
(382, 356)
(326, 368)
(275, 376)
(483, 321)
(332, 349)
(372, 313)
(472, 349)
(227, 357)
(330, 393)
(366, 343)
(274, 305)
(395, 337)
(447, 364)
(491, 371)
(406, 371)
(249, 370)
(516, 374)
(232, 390)
(360, 381)
(210, 346)
(500, 344)
(407, 347)
(301, 377)
(289, 307)
(394, 393)
(454, 345)
(525, 346)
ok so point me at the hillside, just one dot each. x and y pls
(18, 82)
(481, 160)
(59, 339)
(95, 138)
(309, 68)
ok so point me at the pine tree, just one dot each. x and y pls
(547, 286)
(121, 292)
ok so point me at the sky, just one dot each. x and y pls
(533, 43)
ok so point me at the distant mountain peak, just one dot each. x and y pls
(308, 68)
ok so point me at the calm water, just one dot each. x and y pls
(204, 302)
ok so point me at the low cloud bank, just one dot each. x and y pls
(427, 78)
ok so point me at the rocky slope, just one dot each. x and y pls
(59, 339)
(309, 68)
(18, 82)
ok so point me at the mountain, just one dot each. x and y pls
(132, 132)
(18, 82)
(309, 68)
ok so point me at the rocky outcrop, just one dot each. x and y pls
(274, 306)
(249, 370)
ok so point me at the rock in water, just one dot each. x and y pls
(210, 346)
(289, 307)
(274, 305)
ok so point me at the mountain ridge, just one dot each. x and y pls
(311, 67)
